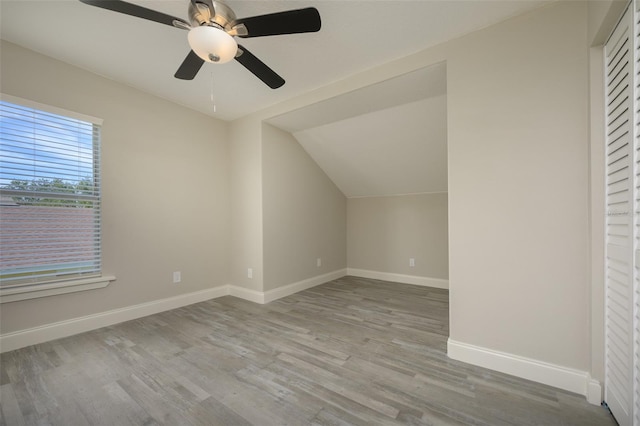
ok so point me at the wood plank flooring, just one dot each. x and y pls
(350, 352)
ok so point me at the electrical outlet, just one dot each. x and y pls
(319, 262)
(249, 273)
(412, 262)
(177, 277)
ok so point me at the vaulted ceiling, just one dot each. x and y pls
(356, 35)
(389, 138)
(386, 139)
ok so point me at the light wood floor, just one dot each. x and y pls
(352, 351)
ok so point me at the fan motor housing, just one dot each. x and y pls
(223, 16)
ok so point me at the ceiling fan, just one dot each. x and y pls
(212, 28)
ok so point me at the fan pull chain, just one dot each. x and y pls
(213, 99)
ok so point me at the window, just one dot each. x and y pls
(49, 200)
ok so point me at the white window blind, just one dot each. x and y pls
(49, 195)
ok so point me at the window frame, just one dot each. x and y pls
(55, 285)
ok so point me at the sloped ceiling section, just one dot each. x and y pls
(385, 139)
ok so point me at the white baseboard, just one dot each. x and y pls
(399, 278)
(31, 336)
(286, 290)
(569, 379)
(254, 296)
(594, 391)
(290, 289)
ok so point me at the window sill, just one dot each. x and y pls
(53, 288)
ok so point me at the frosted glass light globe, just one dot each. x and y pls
(212, 44)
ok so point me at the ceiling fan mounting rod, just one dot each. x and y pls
(221, 15)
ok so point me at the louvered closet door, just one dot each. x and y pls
(635, 333)
(619, 59)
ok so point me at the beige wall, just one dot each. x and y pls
(602, 17)
(518, 181)
(246, 204)
(518, 185)
(165, 190)
(384, 232)
(304, 213)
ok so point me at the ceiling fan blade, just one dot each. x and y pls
(190, 67)
(137, 11)
(259, 69)
(289, 22)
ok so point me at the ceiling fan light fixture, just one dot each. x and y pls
(212, 44)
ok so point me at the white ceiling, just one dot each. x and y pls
(389, 138)
(399, 150)
(385, 139)
(355, 36)
(413, 86)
